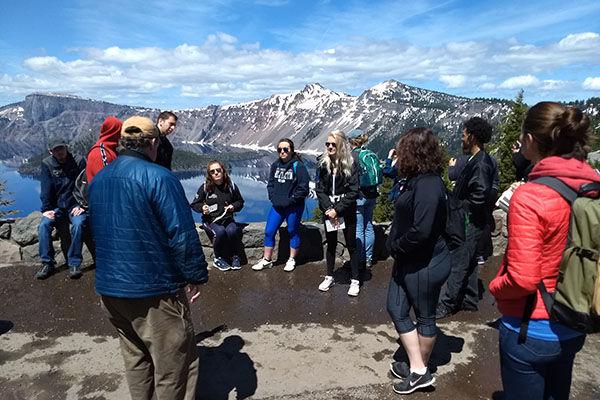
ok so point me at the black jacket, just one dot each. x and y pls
(474, 187)
(522, 166)
(288, 183)
(164, 153)
(58, 182)
(346, 186)
(217, 200)
(419, 220)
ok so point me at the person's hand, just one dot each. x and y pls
(452, 162)
(515, 185)
(192, 291)
(77, 211)
(49, 214)
(229, 208)
(205, 209)
(391, 153)
(516, 147)
(331, 214)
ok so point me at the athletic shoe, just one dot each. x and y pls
(368, 263)
(74, 272)
(400, 369)
(414, 382)
(44, 272)
(221, 264)
(262, 264)
(290, 265)
(326, 284)
(480, 260)
(354, 287)
(236, 263)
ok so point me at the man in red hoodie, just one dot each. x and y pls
(105, 149)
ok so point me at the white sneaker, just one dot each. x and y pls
(290, 265)
(262, 264)
(354, 288)
(326, 284)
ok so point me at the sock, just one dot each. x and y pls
(420, 371)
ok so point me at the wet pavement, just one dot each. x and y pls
(267, 335)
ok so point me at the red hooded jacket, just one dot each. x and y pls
(109, 136)
(538, 224)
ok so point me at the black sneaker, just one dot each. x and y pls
(44, 272)
(74, 272)
(400, 369)
(414, 382)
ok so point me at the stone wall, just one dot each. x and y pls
(19, 241)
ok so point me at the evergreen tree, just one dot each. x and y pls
(384, 209)
(4, 202)
(510, 130)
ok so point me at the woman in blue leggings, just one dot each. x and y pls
(288, 188)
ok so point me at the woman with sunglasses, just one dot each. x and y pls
(337, 191)
(288, 188)
(217, 199)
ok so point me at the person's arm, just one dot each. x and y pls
(478, 186)
(520, 271)
(47, 190)
(390, 170)
(271, 182)
(237, 199)
(172, 209)
(351, 195)
(302, 179)
(324, 201)
(199, 200)
(425, 205)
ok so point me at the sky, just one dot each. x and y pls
(187, 54)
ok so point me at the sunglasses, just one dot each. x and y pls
(330, 144)
(215, 171)
(283, 149)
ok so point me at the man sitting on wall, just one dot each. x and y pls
(58, 175)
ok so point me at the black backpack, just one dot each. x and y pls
(80, 191)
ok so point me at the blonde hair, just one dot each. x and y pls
(359, 141)
(343, 157)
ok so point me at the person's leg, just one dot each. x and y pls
(470, 297)
(220, 239)
(369, 231)
(139, 370)
(331, 238)
(558, 382)
(46, 249)
(233, 239)
(274, 221)
(293, 218)
(360, 228)
(78, 223)
(350, 238)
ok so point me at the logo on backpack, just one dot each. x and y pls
(371, 172)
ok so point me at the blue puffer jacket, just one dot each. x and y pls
(146, 239)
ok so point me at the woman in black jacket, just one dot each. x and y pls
(217, 199)
(337, 191)
(421, 256)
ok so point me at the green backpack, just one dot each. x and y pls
(371, 172)
(576, 301)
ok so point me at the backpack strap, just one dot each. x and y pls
(527, 311)
(562, 188)
(103, 154)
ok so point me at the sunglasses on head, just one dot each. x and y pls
(330, 144)
(283, 149)
(215, 171)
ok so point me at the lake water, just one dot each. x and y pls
(25, 192)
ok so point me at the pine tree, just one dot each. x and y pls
(384, 209)
(510, 130)
(4, 202)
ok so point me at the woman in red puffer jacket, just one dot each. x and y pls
(554, 138)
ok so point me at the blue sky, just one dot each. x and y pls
(182, 54)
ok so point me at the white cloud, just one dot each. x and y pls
(518, 82)
(453, 81)
(576, 40)
(591, 83)
(487, 86)
(553, 84)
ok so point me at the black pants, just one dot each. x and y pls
(350, 238)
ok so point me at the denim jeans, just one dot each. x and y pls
(365, 235)
(46, 248)
(536, 369)
(225, 238)
(462, 289)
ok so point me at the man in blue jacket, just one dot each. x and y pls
(147, 252)
(58, 175)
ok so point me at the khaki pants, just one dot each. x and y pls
(157, 344)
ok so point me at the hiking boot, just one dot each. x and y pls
(326, 284)
(354, 287)
(262, 264)
(369, 264)
(74, 272)
(44, 272)
(290, 265)
(400, 369)
(480, 260)
(442, 311)
(221, 264)
(414, 382)
(236, 263)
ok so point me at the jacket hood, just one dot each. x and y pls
(571, 171)
(110, 131)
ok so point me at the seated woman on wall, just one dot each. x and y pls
(288, 188)
(421, 256)
(217, 199)
(337, 191)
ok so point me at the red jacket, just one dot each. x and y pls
(538, 224)
(109, 136)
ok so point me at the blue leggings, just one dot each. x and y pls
(293, 216)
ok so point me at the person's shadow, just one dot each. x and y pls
(223, 369)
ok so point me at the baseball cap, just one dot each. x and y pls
(57, 142)
(138, 127)
(353, 134)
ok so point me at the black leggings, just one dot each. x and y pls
(349, 237)
(419, 288)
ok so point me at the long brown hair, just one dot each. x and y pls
(209, 184)
(419, 152)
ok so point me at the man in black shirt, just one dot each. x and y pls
(166, 123)
(473, 187)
